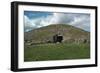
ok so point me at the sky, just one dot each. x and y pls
(34, 19)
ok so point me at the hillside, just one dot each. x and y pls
(45, 34)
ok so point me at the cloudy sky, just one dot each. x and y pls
(33, 19)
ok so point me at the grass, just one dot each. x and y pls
(58, 51)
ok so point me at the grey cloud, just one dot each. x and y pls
(79, 20)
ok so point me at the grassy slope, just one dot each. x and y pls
(45, 33)
(59, 51)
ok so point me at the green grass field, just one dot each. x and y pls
(58, 51)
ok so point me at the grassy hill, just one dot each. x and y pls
(46, 33)
(73, 46)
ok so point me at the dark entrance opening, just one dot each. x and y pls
(57, 38)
